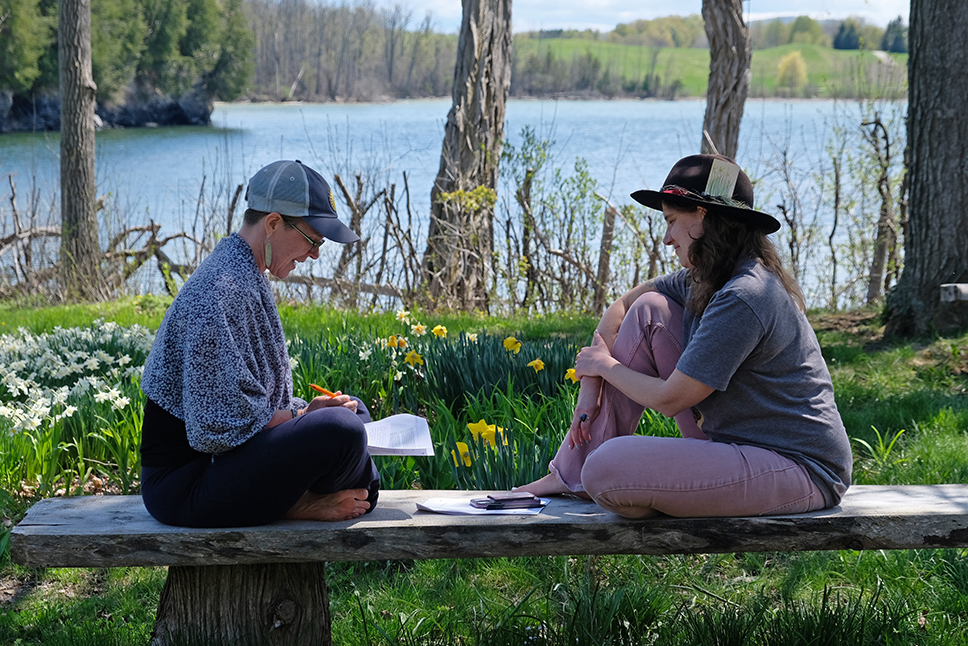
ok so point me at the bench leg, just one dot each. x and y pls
(279, 603)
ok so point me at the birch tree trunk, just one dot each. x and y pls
(80, 250)
(460, 239)
(730, 53)
(937, 236)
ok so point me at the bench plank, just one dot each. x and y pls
(113, 531)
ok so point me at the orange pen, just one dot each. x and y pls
(322, 390)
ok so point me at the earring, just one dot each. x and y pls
(268, 253)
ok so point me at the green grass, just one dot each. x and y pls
(830, 72)
(905, 405)
(40, 317)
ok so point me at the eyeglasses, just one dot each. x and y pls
(314, 244)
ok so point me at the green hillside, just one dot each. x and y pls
(830, 72)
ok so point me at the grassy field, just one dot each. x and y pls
(830, 72)
(904, 405)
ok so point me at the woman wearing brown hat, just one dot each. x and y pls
(724, 347)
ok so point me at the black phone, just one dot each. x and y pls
(507, 500)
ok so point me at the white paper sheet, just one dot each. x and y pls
(462, 506)
(402, 434)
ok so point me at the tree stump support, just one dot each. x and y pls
(228, 605)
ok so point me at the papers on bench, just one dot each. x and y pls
(402, 434)
(462, 506)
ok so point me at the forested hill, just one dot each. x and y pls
(165, 61)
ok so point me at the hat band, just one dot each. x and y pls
(678, 191)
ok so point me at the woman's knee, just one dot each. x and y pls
(655, 307)
(338, 426)
(598, 473)
(601, 482)
(362, 412)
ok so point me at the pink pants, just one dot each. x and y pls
(639, 476)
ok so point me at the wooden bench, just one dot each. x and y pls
(266, 585)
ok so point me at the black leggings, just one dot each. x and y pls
(323, 451)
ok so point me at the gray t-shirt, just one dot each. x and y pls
(773, 389)
(219, 361)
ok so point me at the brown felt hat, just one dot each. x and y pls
(713, 182)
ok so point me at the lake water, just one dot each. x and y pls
(157, 172)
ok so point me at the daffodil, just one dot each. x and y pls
(570, 374)
(479, 428)
(472, 337)
(487, 432)
(537, 364)
(401, 341)
(403, 316)
(392, 341)
(413, 358)
(512, 345)
(465, 455)
(419, 329)
(440, 331)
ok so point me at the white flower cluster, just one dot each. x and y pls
(44, 378)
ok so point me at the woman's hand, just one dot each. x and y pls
(586, 410)
(595, 359)
(338, 399)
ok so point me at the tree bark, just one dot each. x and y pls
(460, 240)
(282, 603)
(730, 53)
(886, 238)
(80, 250)
(937, 234)
(604, 255)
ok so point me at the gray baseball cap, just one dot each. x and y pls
(294, 189)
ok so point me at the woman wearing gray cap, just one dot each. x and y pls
(224, 441)
(723, 346)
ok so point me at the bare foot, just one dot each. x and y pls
(342, 505)
(546, 486)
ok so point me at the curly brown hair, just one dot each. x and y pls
(724, 243)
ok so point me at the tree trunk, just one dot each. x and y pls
(604, 255)
(886, 238)
(937, 235)
(730, 53)
(282, 603)
(460, 239)
(80, 251)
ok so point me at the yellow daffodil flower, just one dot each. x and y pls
(440, 331)
(465, 454)
(479, 428)
(512, 345)
(392, 341)
(570, 374)
(472, 337)
(419, 329)
(537, 364)
(487, 432)
(403, 316)
(413, 358)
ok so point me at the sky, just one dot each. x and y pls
(603, 15)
